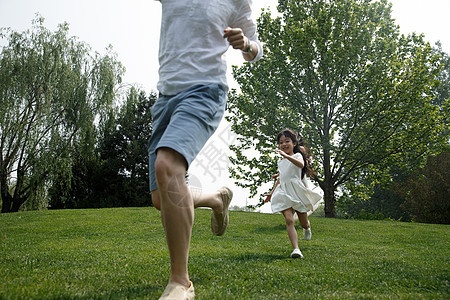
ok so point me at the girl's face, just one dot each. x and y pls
(286, 145)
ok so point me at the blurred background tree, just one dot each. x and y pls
(68, 139)
(52, 89)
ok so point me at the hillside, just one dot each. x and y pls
(121, 253)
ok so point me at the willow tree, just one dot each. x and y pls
(341, 74)
(52, 87)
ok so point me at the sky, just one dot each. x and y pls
(132, 28)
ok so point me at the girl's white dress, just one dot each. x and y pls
(293, 191)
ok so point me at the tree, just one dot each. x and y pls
(115, 173)
(52, 88)
(427, 191)
(442, 93)
(76, 189)
(123, 151)
(381, 198)
(340, 73)
(374, 198)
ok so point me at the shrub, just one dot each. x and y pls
(426, 192)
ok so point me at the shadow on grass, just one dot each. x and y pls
(255, 257)
(124, 292)
(237, 259)
(271, 229)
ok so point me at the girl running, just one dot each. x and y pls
(292, 192)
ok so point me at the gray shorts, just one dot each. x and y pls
(185, 122)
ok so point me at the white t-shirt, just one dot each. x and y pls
(192, 47)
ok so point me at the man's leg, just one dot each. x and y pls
(200, 199)
(218, 201)
(177, 211)
(211, 200)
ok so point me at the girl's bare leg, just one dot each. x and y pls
(303, 218)
(304, 222)
(290, 226)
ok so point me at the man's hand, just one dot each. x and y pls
(236, 38)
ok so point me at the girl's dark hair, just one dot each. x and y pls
(299, 147)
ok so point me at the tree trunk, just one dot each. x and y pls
(4, 194)
(329, 201)
(6, 203)
(16, 204)
(328, 182)
(328, 187)
(10, 204)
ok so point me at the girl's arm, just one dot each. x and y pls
(298, 162)
(269, 196)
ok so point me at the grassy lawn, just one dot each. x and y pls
(121, 254)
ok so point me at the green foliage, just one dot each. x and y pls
(364, 215)
(52, 88)
(427, 191)
(115, 172)
(122, 254)
(340, 73)
(376, 192)
(442, 94)
(372, 195)
(123, 151)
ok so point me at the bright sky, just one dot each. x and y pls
(132, 27)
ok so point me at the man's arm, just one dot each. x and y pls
(238, 40)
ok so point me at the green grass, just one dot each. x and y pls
(121, 254)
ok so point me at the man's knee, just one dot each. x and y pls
(162, 168)
(168, 164)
